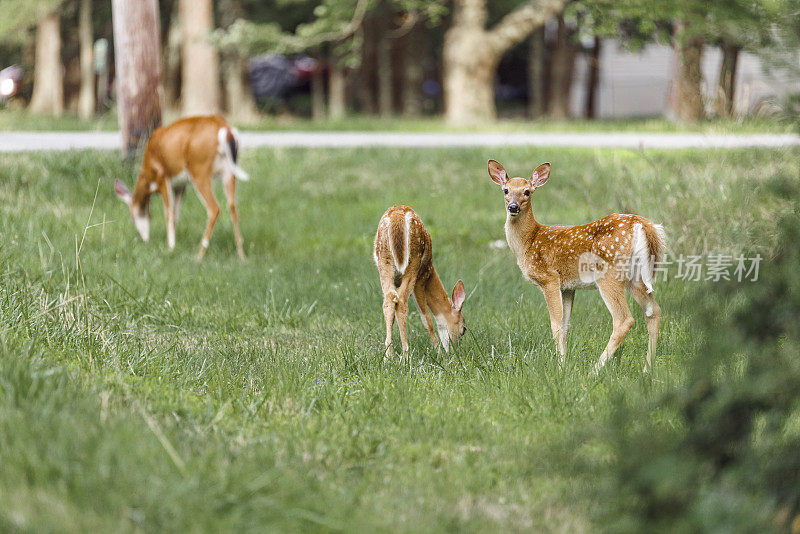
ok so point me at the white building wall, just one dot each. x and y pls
(637, 84)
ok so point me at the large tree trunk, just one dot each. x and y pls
(471, 54)
(413, 71)
(385, 74)
(561, 69)
(48, 79)
(337, 90)
(536, 75)
(86, 100)
(593, 80)
(137, 55)
(726, 85)
(469, 65)
(687, 90)
(172, 60)
(200, 83)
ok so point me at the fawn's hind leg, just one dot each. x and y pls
(613, 293)
(652, 315)
(409, 280)
(386, 273)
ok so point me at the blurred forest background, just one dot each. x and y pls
(467, 60)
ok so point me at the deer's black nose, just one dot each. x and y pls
(513, 207)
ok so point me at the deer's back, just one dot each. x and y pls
(401, 237)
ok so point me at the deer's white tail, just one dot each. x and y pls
(229, 141)
(399, 242)
(649, 245)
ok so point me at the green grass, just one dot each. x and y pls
(140, 390)
(20, 120)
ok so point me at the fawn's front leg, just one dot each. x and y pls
(422, 306)
(552, 296)
(567, 298)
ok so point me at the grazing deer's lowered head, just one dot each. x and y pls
(139, 204)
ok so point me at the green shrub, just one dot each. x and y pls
(729, 460)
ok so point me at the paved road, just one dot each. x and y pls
(32, 141)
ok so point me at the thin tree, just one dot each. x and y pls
(86, 99)
(48, 77)
(200, 83)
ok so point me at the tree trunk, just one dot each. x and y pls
(172, 60)
(318, 94)
(366, 70)
(413, 72)
(137, 55)
(562, 67)
(593, 80)
(200, 82)
(337, 90)
(239, 100)
(385, 73)
(687, 91)
(726, 85)
(469, 65)
(471, 54)
(100, 53)
(86, 100)
(536, 75)
(48, 78)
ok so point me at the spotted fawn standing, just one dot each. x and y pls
(404, 257)
(611, 254)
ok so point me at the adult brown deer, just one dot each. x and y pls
(200, 147)
(613, 253)
(404, 257)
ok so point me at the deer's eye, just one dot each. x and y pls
(527, 192)
(505, 191)
(463, 330)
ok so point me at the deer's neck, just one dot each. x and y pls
(436, 295)
(439, 303)
(520, 233)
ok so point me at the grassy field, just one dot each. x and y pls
(20, 120)
(141, 391)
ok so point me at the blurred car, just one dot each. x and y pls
(10, 82)
(277, 77)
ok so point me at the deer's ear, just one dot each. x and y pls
(459, 295)
(497, 172)
(540, 175)
(122, 192)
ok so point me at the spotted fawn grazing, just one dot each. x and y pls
(197, 148)
(404, 258)
(611, 254)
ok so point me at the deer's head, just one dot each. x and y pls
(139, 206)
(453, 327)
(517, 191)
